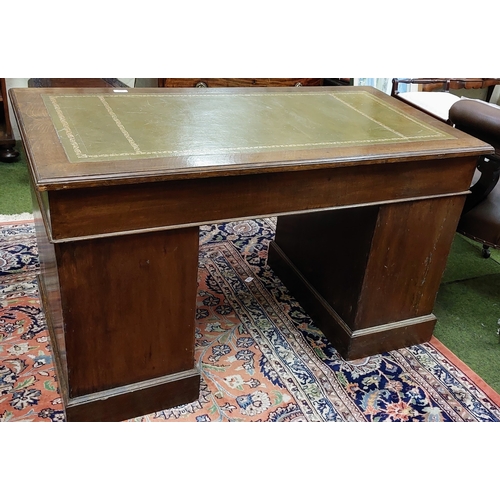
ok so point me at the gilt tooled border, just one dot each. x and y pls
(434, 133)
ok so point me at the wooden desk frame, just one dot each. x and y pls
(362, 241)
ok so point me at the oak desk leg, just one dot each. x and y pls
(368, 276)
(121, 316)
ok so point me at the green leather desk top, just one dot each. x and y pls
(103, 126)
(86, 136)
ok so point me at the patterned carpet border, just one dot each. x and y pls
(260, 356)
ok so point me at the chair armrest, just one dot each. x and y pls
(481, 120)
(478, 118)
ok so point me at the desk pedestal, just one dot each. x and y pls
(368, 276)
(120, 312)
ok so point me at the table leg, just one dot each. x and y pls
(368, 276)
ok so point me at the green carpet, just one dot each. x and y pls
(467, 306)
(466, 262)
(15, 196)
(468, 309)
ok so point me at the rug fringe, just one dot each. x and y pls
(24, 217)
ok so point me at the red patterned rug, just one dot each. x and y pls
(260, 356)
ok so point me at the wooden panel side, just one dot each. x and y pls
(129, 306)
(407, 260)
(49, 289)
(331, 250)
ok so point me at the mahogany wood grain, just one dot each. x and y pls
(238, 82)
(135, 400)
(50, 292)
(85, 212)
(460, 83)
(110, 288)
(422, 232)
(93, 385)
(75, 82)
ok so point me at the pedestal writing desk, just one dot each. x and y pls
(123, 178)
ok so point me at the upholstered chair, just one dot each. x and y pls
(480, 219)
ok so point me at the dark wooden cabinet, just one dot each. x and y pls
(8, 152)
(75, 82)
(238, 82)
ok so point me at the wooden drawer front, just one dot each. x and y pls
(237, 82)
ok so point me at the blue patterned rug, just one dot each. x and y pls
(260, 356)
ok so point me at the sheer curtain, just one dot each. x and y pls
(383, 84)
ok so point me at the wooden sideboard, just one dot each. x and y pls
(75, 82)
(238, 82)
(8, 152)
(448, 84)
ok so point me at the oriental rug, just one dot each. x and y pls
(260, 356)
